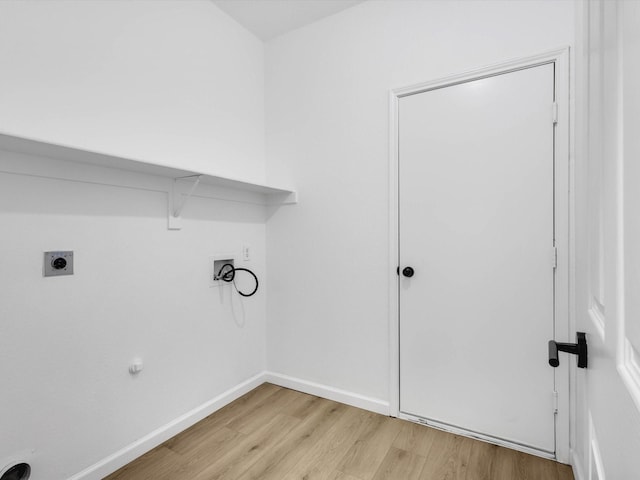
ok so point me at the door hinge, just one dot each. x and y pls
(555, 402)
(554, 112)
(554, 257)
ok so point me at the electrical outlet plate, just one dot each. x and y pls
(58, 263)
(215, 264)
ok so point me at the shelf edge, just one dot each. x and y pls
(31, 146)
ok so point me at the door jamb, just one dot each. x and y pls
(564, 205)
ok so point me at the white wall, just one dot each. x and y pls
(162, 81)
(327, 126)
(171, 82)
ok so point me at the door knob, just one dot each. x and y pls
(579, 349)
(407, 272)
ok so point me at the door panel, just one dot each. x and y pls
(607, 417)
(476, 224)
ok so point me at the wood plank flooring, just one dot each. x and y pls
(274, 433)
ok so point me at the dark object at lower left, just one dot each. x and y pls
(19, 471)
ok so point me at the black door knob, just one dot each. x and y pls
(407, 272)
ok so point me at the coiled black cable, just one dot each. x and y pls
(230, 276)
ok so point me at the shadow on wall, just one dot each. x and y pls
(33, 195)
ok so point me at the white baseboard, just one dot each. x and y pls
(132, 451)
(331, 393)
(576, 464)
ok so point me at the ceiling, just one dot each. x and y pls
(269, 18)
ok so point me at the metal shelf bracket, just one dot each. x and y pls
(179, 195)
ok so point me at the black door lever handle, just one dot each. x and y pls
(579, 349)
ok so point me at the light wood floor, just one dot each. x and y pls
(273, 433)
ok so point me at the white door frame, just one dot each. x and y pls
(563, 175)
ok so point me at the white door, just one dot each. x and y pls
(476, 223)
(607, 432)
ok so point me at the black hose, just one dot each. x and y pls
(230, 276)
